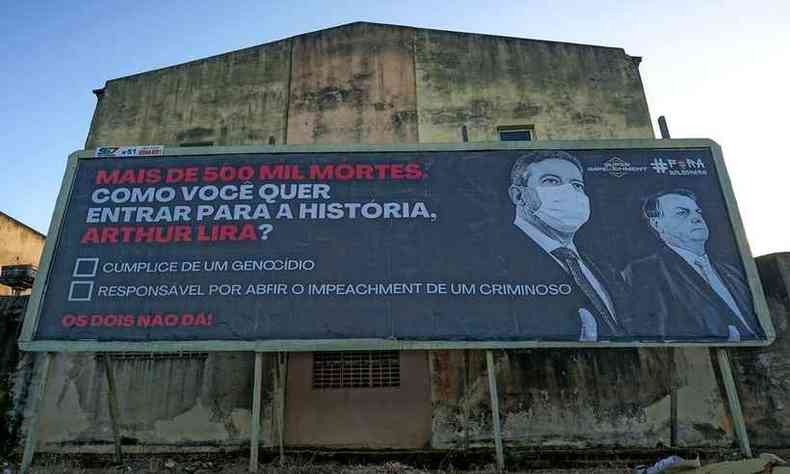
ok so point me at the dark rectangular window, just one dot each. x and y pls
(356, 369)
(156, 355)
(510, 134)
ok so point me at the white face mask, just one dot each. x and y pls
(563, 208)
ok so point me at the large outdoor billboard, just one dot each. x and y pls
(549, 244)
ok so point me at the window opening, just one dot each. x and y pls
(356, 369)
(523, 133)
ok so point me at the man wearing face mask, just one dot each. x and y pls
(547, 190)
(683, 292)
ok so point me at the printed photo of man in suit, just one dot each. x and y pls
(682, 292)
(548, 192)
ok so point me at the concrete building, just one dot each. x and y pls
(19, 245)
(381, 84)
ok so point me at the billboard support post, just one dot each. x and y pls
(466, 405)
(733, 402)
(255, 428)
(673, 389)
(38, 402)
(492, 389)
(673, 398)
(112, 405)
(282, 377)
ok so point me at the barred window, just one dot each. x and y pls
(356, 369)
(516, 133)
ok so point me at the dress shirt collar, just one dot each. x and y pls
(690, 257)
(545, 242)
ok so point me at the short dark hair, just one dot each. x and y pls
(651, 208)
(519, 175)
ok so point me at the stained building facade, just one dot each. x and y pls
(21, 245)
(379, 84)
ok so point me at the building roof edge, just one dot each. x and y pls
(22, 224)
(353, 23)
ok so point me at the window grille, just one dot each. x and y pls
(516, 133)
(369, 369)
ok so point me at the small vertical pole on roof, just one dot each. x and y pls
(673, 390)
(255, 427)
(492, 389)
(662, 125)
(282, 369)
(733, 402)
(38, 401)
(112, 405)
(465, 134)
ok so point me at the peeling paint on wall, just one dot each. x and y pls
(353, 84)
(565, 91)
(163, 401)
(233, 99)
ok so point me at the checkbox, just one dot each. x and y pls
(86, 267)
(81, 291)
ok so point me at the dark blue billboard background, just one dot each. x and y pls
(403, 245)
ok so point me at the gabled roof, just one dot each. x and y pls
(23, 224)
(352, 25)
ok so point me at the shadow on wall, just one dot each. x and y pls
(12, 310)
(763, 374)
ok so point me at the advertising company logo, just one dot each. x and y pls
(617, 167)
(679, 167)
(128, 151)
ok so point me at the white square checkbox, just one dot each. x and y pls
(86, 267)
(81, 291)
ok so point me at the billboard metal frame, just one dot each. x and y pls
(28, 343)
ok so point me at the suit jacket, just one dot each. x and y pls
(522, 260)
(676, 303)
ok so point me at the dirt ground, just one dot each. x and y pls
(544, 462)
(207, 464)
(242, 468)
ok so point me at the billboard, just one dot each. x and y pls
(488, 245)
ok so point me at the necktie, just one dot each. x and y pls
(571, 260)
(734, 334)
(702, 271)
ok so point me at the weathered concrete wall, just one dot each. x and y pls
(203, 401)
(353, 84)
(577, 398)
(379, 84)
(763, 374)
(566, 91)
(236, 98)
(19, 245)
